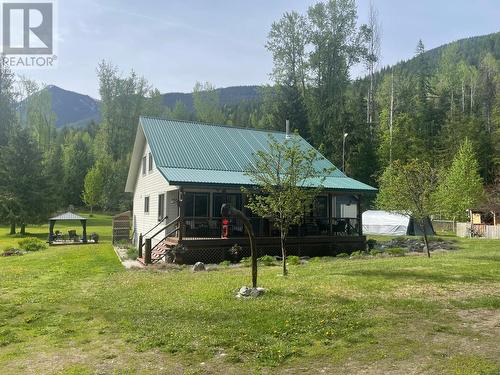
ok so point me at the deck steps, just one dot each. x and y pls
(158, 252)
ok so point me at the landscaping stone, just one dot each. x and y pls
(199, 266)
(246, 292)
(416, 245)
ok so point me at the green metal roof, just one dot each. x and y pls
(197, 153)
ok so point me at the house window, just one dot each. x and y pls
(320, 208)
(196, 204)
(235, 200)
(146, 205)
(144, 166)
(150, 166)
(345, 206)
(161, 207)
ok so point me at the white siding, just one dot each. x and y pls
(151, 184)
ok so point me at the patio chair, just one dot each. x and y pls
(72, 235)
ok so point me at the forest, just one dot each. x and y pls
(423, 108)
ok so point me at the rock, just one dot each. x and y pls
(250, 292)
(199, 266)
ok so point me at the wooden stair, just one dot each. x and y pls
(158, 252)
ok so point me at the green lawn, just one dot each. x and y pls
(75, 310)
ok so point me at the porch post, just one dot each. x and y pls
(182, 223)
(360, 226)
(147, 252)
(330, 213)
(140, 245)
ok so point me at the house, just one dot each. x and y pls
(181, 172)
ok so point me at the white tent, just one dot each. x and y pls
(390, 223)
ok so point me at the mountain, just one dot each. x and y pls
(227, 96)
(73, 109)
(471, 50)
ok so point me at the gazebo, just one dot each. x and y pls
(68, 216)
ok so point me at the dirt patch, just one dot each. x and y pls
(484, 321)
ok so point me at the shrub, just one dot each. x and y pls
(225, 263)
(132, 252)
(293, 260)
(32, 244)
(371, 244)
(235, 252)
(343, 255)
(396, 251)
(358, 254)
(375, 252)
(246, 261)
(266, 260)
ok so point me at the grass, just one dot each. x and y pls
(76, 310)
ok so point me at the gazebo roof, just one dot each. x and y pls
(68, 216)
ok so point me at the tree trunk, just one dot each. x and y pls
(283, 251)
(12, 228)
(426, 241)
(23, 229)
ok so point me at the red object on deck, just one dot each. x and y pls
(225, 228)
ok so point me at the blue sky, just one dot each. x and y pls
(174, 43)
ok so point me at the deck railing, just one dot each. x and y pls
(197, 227)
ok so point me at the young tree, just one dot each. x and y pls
(92, 188)
(207, 103)
(409, 189)
(282, 175)
(461, 187)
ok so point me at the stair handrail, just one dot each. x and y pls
(159, 222)
(165, 227)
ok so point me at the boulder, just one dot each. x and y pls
(246, 292)
(199, 266)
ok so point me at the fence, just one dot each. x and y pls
(121, 227)
(478, 230)
(443, 225)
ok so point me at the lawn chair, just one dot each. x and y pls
(72, 235)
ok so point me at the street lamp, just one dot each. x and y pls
(343, 152)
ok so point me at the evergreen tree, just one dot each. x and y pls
(8, 98)
(461, 186)
(23, 191)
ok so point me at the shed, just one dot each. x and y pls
(68, 216)
(392, 223)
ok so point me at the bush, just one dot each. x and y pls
(343, 255)
(132, 252)
(266, 260)
(246, 261)
(225, 263)
(375, 252)
(293, 260)
(371, 244)
(32, 244)
(358, 254)
(396, 251)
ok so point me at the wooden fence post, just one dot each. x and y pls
(140, 245)
(147, 251)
